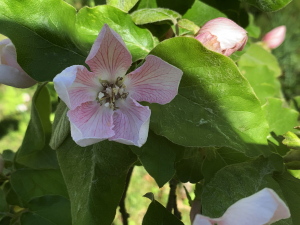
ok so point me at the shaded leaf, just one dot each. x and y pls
(48, 210)
(95, 178)
(28, 183)
(210, 109)
(3, 205)
(158, 214)
(268, 5)
(61, 126)
(252, 29)
(158, 157)
(35, 151)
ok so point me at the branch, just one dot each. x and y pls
(172, 201)
(122, 209)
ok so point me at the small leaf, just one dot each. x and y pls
(121, 4)
(291, 140)
(28, 183)
(263, 81)
(257, 55)
(280, 119)
(61, 126)
(95, 178)
(158, 157)
(35, 151)
(188, 25)
(252, 29)
(157, 214)
(152, 15)
(292, 160)
(268, 5)
(48, 210)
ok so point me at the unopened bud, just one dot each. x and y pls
(275, 37)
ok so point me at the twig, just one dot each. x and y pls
(172, 201)
(122, 209)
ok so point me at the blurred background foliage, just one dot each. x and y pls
(15, 106)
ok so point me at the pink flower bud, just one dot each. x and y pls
(10, 71)
(222, 35)
(275, 37)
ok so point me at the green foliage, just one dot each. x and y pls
(94, 180)
(291, 140)
(157, 214)
(268, 5)
(214, 112)
(121, 4)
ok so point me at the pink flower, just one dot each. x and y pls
(103, 103)
(264, 207)
(275, 37)
(222, 35)
(10, 71)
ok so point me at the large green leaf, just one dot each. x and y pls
(290, 187)
(158, 214)
(257, 55)
(158, 157)
(3, 205)
(28, 183)
(281, 119)
(61, 126)
(245, 179)
(49, 36)
(35, 151)
(210, 108)
(144, 16)
(48, 210)
(216, 159)
(268, 5)
(263, 81)
(95, 178)
(121, 4)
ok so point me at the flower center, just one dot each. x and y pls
(112, 92)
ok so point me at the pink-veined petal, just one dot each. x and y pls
(13, 77)
(109, 56)
(156, 81)
(91, 123)
(76, 85)
(131, 122)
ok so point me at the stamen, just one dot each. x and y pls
(106, 104)
(100, 95)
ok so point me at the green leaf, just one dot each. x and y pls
(189, 168)
(28, 183)
(158, 157)
(290, 187)
(292, 160)
(35, 151)
(144, 16)
(11, 197)
(244, 178)
(291, 140)
(49, 36)
(257, 55)
(48, 210)
(3, 205)
(61, 126)
(210, 109)
(216, 159)
(252, 29)
(95, 177)
(295, 103)
(263, 81)
(121, 4)
(176, 5)
(188, 25)
(146, 4)
(281, 119)
(200, 13)
(268, 5)
(158, 214)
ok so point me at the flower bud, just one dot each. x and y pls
(275, 37)
(222, 35)
(10, 71)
